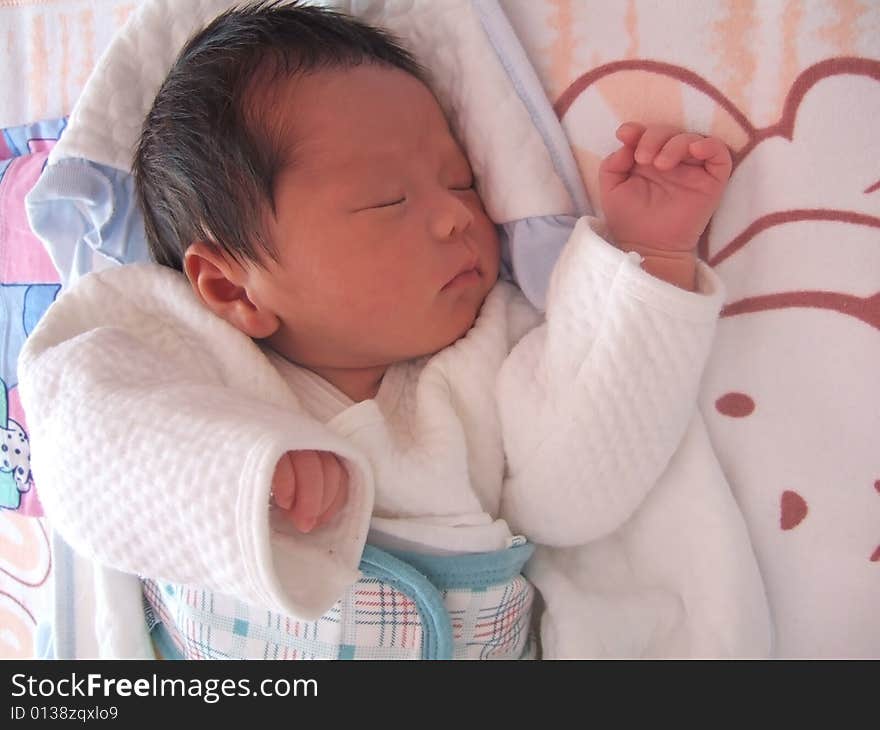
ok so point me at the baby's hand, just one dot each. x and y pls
(661, 188)
(310, 486)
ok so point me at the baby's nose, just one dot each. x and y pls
(450, 215)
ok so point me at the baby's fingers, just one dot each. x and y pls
(334, 476)
(715, 156)
(652, 141)
(676, 151)
(630, 133)
(310, 490)
(616, 167)
(284, 482)
(335, 489)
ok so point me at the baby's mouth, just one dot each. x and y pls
(467, 276)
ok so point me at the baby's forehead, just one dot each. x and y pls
(362, 111)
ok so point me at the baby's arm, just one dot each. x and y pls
(658, 192)
(595, 402)
(157, 430)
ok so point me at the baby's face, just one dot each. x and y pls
(385, 252)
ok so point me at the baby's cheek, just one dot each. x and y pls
(359, 283)
(379, 300)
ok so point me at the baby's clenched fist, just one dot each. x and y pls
(310, 486)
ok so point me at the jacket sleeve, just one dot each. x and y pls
(595, 401)
(155, 431)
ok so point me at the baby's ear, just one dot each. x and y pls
(220, 282)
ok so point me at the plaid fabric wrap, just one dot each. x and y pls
(374, 620)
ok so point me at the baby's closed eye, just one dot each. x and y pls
(383, 202)
(396, 201)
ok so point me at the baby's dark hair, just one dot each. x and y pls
(207, 158)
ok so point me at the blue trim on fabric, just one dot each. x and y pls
(18, 138)
(10, 143)
(37, 299)
(12, 301)
(78, 208)
(163, 643)
(44, 641)
(420, 577)
(437, 642)
(522, 76)
(64, 605)
(474, 571)
(532, 247)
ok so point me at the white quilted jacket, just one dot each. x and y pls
(156, 428)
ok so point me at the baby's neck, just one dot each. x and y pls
(359, 384)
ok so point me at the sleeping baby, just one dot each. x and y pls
(327, 423)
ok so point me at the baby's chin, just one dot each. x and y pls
(438, 331)
(454, 330)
